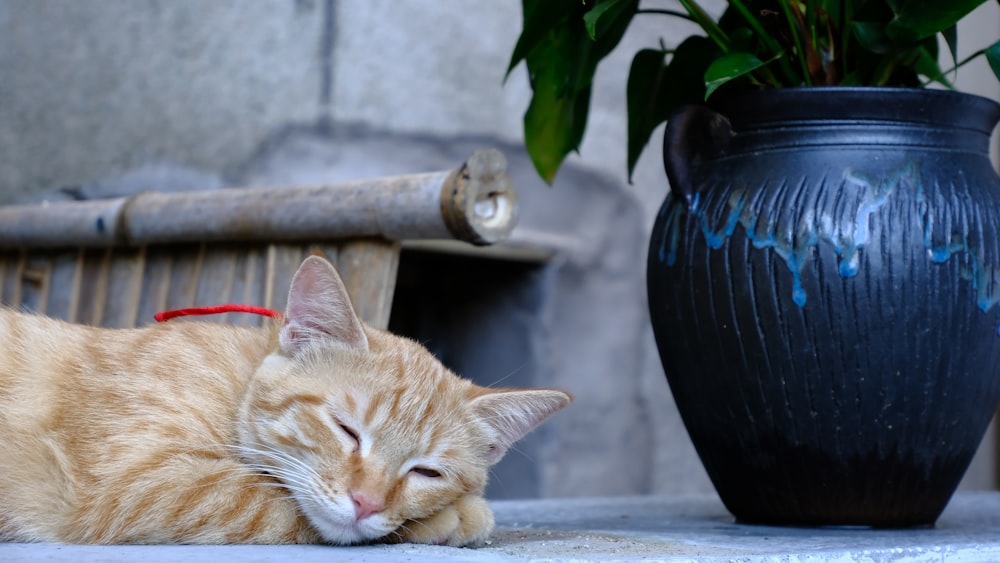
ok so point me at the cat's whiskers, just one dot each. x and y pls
(285, 479)
(291, 481)
(243, 471)
(495, 477)
(285, 488)
(278, 455)
(295, 480)
(402, 527)
(409, 530)
(239, 471)
(288, 487)
(508, 376)
(522, 453)
(270, 453)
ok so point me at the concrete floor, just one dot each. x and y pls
(695, 528)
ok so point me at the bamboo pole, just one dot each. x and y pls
(75, 224)
(474, 203)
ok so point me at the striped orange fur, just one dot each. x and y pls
(315, 429)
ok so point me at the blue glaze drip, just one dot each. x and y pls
(849, 265)
(982, 277)
(674, 211)
(876, 195)
(848, 241)
(667, 223)
(715, 239)
(796, 249)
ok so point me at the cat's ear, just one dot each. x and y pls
(510, 414)
(319, 308)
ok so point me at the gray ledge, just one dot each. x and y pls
(653, 528)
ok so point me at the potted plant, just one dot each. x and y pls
(824, 275)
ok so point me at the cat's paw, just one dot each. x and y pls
(466, 523)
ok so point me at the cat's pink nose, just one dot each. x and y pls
(364, 506)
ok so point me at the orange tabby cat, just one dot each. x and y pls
(317, 429)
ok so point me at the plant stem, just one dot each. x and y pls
(811, 20)
(959, 64)
(846, 16)
(884, 69)
(793, 28)
(701, 17)
(675, 13)
(769, 41)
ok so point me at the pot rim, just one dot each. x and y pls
(921, 106)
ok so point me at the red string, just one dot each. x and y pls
(214, 310)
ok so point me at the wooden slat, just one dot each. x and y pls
(77, 285)
(96, 269)
(330, 252)
(12, 278)
(282, 262)
(63, 289)
(183, 276)
(36, 278)
(5, 258)
(124, 288)
(241, 284)
(254, 282)
(215, 284)
(155, 284)
(369, 269)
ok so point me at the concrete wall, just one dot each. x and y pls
(90, 88)
(93, 89)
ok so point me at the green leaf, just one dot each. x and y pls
(553, 128)
(539, 18)
(561, 64)
(917, 19)
(741, 39)
(872, 37)
(730, 67)
(610, 8)
(951, 39)
(656, 89)
(927, 65)
(647, 95)
(993, 57)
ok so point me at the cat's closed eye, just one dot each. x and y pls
(352, 434)
(426, 472)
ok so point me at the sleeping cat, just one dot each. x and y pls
(318, 429)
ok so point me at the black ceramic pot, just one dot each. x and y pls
(823, 283)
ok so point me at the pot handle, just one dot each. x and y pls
(694, 133)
